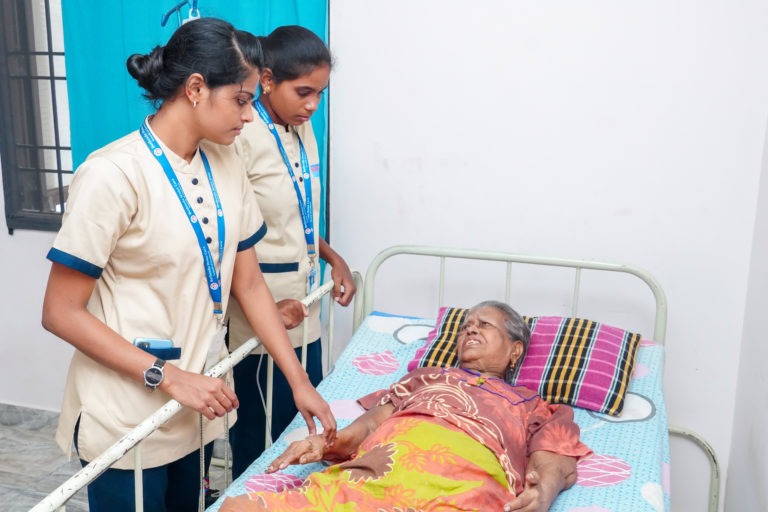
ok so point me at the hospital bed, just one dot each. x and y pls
(630, 468)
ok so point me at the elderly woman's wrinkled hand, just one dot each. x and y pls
(534, 497)
(305, 451)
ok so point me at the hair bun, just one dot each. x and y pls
(146, 68)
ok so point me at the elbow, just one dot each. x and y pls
(50, 319)
(47, 320)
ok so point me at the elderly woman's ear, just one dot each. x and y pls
(517, 352)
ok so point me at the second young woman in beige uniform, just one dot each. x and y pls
(281, 158)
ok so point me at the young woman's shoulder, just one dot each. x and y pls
(127, 154)
(221, 156)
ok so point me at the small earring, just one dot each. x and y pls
(267, 90)
(194, 104)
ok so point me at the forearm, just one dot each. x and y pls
(328, 254)
(348, 439)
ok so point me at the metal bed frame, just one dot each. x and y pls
(660, 319)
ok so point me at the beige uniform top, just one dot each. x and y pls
(283, 251)
(125, 226)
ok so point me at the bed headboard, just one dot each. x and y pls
(443, 254)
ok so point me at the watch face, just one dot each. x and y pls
(153, 376)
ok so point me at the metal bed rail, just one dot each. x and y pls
(56, 499)
(660, 318)
(660, 322)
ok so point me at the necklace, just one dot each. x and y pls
(482, 380)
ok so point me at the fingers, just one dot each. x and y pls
(329, 428)
(292, 312)
(207, 395)
(345, 297)
(532, 478)
(343, 290)
(326, 420)
(530, 498)
(281, 462)
(295, 452)
(230, 394)
(309, 419)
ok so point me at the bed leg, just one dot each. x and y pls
(714, 474)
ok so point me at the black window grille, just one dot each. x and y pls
(35, 152)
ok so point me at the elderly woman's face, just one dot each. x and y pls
(484, 344)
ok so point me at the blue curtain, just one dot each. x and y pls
(105, 103)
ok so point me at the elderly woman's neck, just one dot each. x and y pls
(487, 373)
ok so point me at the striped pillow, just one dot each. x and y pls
(571, 361)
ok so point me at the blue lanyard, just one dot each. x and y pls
(305, 208)
(213, 278)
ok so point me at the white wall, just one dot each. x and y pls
(747, 487)
(614, 131)
(33, 363)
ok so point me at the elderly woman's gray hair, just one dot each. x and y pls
(517, 330)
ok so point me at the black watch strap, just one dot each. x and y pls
(153, 376)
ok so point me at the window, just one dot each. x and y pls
(35, 155)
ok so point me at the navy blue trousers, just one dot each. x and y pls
(171, 488)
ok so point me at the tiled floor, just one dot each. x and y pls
(32, 465)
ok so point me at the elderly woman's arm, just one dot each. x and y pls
(348, 439)
(546, 475)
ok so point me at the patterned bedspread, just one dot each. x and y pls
(629, 471)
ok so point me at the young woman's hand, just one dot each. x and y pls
(343, 284)
(292, 311)
(209, 396)
(305, 451)
(311, 405)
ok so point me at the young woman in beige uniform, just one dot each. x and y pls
(281, 158)
(159, 231)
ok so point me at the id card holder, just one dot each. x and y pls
(312, 279)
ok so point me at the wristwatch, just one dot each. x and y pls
(153, 375)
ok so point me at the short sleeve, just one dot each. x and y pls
(100, 206)
(254, 226)
(397, 393)
(551, 428)
(374, 399)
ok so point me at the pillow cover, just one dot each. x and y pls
(572, 361)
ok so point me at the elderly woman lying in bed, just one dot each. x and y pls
(443, 438)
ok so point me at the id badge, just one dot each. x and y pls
(216, 348)
(312, 279)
